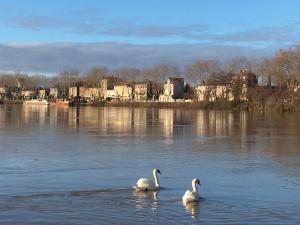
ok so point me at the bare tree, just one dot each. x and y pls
(41, 80)
(7, 80)
(93, 77)
(68, 78)
(148, 74)
(130, 74)
(236, 64)
(164, 71)
(160, 73)
(286, 67)
(265, 69)
(200, 70)
(24, 81)
(64, 80)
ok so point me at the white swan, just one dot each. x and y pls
(192, 196)
(145, 184)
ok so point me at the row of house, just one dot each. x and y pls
(230, 87)
(141, 91)
(122, 91)
(40, 93)
(27, 94)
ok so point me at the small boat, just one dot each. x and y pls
(36, 102)
(60, 102)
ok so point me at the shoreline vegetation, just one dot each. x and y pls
(205, 105)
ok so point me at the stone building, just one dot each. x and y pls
(42, 93)
(107, 87)
(142, 91)
(73, 92)
(53, 93)
(3, 92)
(245, 80)
(28, 94)
(173, 89)
(110, 94)
(211, 92)
(229, 87)
(90, 93)
(123, 92)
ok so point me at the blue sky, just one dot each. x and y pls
(259, 26)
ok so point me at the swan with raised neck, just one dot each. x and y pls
(155, 172)
(195, 181)
(192, 196)
(145, 184)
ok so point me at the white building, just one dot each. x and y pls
(173, 89)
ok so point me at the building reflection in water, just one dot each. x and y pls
(245, 128)
(166, 119)
(274, 134)
(218, 123)
(140, 120)
(35, 113)
(130, 121)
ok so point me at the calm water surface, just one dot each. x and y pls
(77, 166)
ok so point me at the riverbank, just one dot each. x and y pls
(218, 105)
(184, 105)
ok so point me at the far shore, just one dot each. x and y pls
(218, 105)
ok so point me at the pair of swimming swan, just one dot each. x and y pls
(145, 184)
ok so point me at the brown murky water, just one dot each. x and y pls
(77, 166)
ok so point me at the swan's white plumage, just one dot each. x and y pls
(192, 196)
(145, 184)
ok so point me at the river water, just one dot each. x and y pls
(65, 165)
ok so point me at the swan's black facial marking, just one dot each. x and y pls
(198, 182)
(158, 171)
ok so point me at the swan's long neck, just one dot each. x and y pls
(156, 179)
(194, 186)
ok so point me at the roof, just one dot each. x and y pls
(176, 79)
(219, 79)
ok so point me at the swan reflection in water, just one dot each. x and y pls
(145, 195)
(144, 199)
(192, 208)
